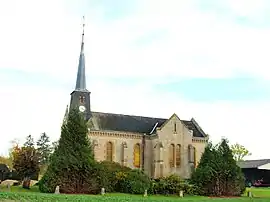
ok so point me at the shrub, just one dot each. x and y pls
(110, 172)
(171, 185)
(189, 189)
(133, 182)
(167, 185)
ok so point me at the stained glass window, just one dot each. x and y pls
(137, 156)
(109, 156)
(178, 155)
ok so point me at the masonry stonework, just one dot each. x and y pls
(155, 153)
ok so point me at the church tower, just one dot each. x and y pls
(80, 97)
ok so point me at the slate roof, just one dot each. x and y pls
(138, 124)
(194, 126)
(252, 163)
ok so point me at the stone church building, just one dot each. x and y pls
(159, 146)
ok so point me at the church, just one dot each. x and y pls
(159, 146)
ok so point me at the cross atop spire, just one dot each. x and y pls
(83, 34)
(80, 82)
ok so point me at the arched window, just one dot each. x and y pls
(190, 154)
(82, 99)
(109, 151)
(172, 155)
(137, 156)
(178, 155)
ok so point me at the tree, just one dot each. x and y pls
(29, 141)
(26, 163)
(72, 164)
(44, 150)
(217, 173)
(239, 152)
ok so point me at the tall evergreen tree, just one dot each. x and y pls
(217, 173)
(44, 148)
(29, 141)
(72, 164)
(232, 176)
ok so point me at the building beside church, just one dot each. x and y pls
(159, 146)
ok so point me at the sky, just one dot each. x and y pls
(205, 59)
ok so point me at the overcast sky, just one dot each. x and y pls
(207, 59)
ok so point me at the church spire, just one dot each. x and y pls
(80, 97)
(80, 82)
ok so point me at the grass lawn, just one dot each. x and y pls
(261, 192)
(20, 194)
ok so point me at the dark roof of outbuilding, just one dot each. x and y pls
(3, 167)
(137, 124)
(253, 163)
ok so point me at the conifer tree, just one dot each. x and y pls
(72, 165)
(217, 173)
(29, 141)
(44, 150)
(232, 176)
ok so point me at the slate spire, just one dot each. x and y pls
(80, 96)
(80, 82)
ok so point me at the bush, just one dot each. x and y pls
(171, 185)
(133, 182)
(189, 189)
(168, 185)
(110, 172)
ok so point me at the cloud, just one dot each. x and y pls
(129, 53)
(193, 43)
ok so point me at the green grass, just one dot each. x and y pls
(17, 193)
(19, 189)
(261, 192)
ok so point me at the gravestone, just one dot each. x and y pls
(102, 191)
(8, 186)
(145, 193)
(57, 190)
(181, 194)
(249, 193)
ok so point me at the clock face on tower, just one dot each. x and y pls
(82, 108)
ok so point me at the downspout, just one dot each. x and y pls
(143, 151)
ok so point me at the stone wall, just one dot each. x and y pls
(157, 148)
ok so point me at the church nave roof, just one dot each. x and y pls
(137, 124)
